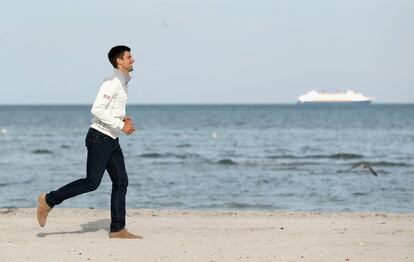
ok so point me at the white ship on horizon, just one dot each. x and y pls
(338, 97)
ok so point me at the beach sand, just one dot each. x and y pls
(82, 235)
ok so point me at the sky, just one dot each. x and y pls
(207, 52)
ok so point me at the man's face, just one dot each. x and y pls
(126, 62)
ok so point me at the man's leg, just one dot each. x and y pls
(100, 148)
(119, 177)
(98, 157)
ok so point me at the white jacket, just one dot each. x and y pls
(109, 107)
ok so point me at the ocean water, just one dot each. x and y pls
(222, 157)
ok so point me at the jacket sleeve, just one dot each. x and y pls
(99, 109)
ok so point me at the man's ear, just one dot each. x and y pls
(118, 60)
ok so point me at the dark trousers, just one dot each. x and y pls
(104, 153)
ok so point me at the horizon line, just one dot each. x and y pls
(190, 104)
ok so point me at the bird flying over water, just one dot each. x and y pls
(365, 165)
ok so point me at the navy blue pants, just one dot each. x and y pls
(104, 153)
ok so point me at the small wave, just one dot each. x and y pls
(263, 181)
(286, 195)
(296, 164)
(385, 164)
(3, 131)
(187, 155)
(65, 146)
(389, 164)
(359, 194)
(42, 151)
(345, 156)
(233, 206)
(151, 155)
(287, 168)
(240, 123)
(332, 156)
(283, 157)
(167, 163)
(15, 183)
(228, 162)
(337, 156)
(184, 145)
(347, 171)
(169, 155)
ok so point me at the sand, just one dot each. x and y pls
(82, 235)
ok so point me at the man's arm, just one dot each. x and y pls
(104, 97)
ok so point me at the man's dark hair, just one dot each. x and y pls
(117, 52)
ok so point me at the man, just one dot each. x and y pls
(104, 151)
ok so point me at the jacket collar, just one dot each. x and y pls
(124, 78)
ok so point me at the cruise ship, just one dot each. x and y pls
(337, 98)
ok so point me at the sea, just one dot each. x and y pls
(286, 157)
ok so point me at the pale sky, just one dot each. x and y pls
(211, 51)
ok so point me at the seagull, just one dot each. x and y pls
(365, 165)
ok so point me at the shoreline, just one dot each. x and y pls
(187, 235)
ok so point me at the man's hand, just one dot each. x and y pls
(128, 126)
